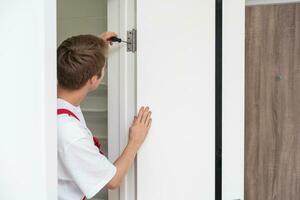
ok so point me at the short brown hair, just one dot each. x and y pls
(79, 58)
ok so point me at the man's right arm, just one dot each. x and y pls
(137, 134)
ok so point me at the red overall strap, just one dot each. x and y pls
(61, 111)
(96, 140)
(97, 143)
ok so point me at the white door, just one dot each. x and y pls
(176, 78)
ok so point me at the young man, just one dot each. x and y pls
(82, 169)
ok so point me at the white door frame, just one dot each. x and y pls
(121, 90)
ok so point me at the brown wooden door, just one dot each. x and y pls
(272, 140)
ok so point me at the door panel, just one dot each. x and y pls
(272, 102)
(175, 77)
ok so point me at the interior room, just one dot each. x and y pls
(220, 78)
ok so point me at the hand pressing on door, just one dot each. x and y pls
(106, 36)
(137, 134)
(140, 126)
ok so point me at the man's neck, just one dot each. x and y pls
(74, 97)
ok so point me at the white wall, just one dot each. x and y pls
(175, 77)
(28, 100)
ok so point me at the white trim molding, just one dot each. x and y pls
(233, 90)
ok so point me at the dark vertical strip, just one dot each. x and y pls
(218, 100)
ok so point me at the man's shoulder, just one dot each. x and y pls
(68, 132)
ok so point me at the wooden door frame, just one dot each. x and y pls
(121, 16)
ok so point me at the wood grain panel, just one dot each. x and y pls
(272, 137)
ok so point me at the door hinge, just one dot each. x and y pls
(131, 40)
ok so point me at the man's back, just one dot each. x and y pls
(82, 170)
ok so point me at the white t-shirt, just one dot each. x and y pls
(82, 170)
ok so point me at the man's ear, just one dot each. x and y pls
(94, 80)
(93, 83)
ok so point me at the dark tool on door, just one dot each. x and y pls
(131, 40)
(116, 39)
